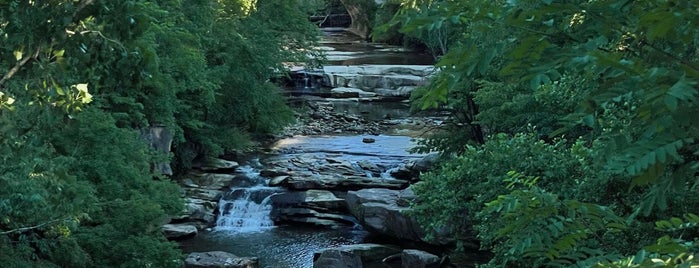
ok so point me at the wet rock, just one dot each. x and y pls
(413, 258)
(337, 259)
(368, 140)
(368, 253)
(219, 259)
(179, 231)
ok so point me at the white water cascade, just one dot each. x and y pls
(246, 209)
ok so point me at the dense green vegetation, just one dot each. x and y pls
(80, 81)
(573, 132)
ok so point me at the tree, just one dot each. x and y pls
(79, 82)
(631, 69)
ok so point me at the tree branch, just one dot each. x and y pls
(24, 229)
(19, 65)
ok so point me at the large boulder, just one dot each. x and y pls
(368, 253)
(318, 207)
(383, 211)
(211, 181)
(216, 165)
(198, 212)
(202, 192)
(219, 259)
(316, 199)
(413, 258)
(335, 258)
(179, 231)
(411, 170)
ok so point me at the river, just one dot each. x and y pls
(245, 227)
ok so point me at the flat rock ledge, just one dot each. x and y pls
(219, 259)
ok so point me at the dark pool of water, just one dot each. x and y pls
(280, 247)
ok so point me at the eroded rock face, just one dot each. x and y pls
(413, 258)
(160, 139)
(202, 192)
(341, 183)
(361, 17)
(383, 211)
(219, 259)
(367, 81)
(179, 231)
(368, 253)
(317, 207)
(335, 258)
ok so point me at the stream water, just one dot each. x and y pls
(244, 226)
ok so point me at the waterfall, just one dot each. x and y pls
(246, 209)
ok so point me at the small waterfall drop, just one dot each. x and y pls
(246, 209)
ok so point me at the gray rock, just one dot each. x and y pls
(217, 165)
(198, 210)
(384, 211)
(337, 259)
(242, 180)
(342, 183)
(413, 258)
(278, 180)
(310, 216)
(425, 163)
(368, 253)
(271, 173)
(178, 231)
(369, 166)
(318, 207)
(159, 138)
(211, 181)
(219, 259)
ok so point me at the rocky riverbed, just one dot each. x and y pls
(334, 188)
